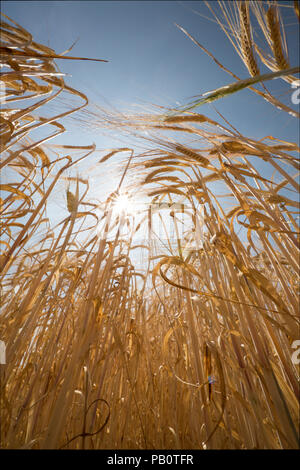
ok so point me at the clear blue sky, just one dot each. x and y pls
(150, 60)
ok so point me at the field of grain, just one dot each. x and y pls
(197, 347)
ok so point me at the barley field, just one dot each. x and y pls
(168, 324)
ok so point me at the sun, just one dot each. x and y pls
(123, 205)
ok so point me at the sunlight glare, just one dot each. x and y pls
(123, 205)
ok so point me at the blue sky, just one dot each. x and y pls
(150, 59)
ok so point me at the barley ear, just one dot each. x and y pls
(71, 202)
(246, 40)
(275, 36)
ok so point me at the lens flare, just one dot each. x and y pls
(123, 205)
